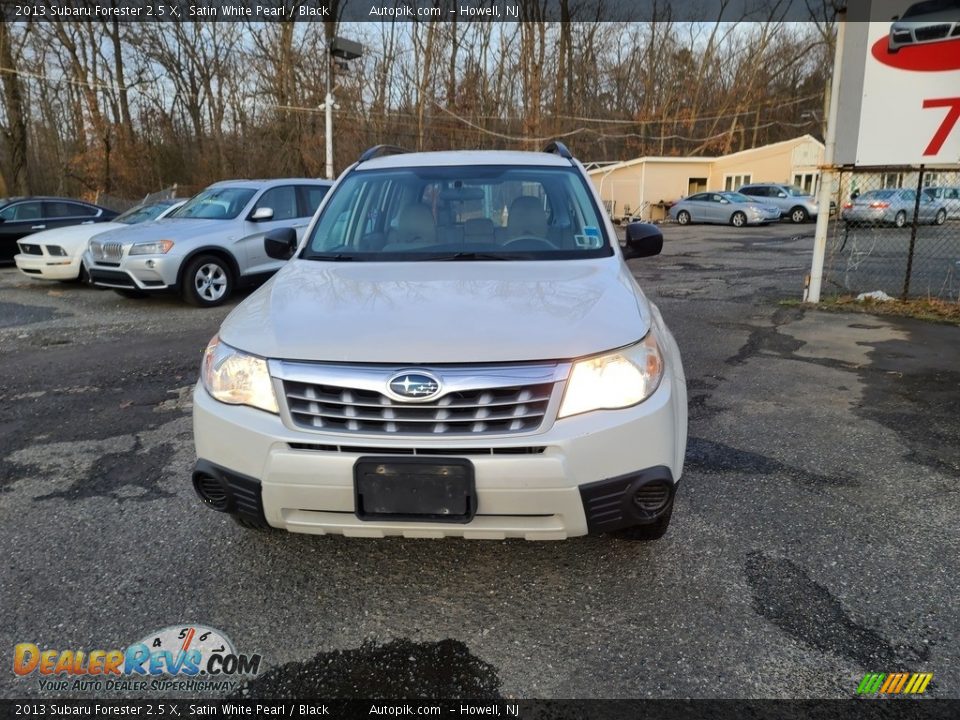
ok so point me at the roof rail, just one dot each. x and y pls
(558, 148)
(381, 150)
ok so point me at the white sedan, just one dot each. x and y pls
(56, 254)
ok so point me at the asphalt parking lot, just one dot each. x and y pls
(815, 536)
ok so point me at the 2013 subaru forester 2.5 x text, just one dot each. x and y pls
(456, 348)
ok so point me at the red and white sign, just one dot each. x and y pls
(910, 108)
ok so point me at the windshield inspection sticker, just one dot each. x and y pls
(590, 240)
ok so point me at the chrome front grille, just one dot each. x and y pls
(480, 400)
(106, 251)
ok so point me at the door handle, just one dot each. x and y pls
(37, 227)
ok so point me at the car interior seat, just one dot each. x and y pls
(526, 219)
(415, 229)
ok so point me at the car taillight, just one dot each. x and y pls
(879, 204)
(847, 206)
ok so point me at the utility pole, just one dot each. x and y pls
(827, 171)
(339, 51)
(328, 107)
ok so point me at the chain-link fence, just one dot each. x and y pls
(896, 230)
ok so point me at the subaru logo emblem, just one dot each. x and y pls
(414, 385)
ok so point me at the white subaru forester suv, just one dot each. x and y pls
(455, 348)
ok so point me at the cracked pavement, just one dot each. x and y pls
(815, 536)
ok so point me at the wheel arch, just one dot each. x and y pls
(216, 251)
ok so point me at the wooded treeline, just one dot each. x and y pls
(128, 108)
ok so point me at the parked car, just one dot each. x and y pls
(23, 216)
(724, 208)
(949, 197)
(57, 254)
(925, 22)
(892, 207)
(429, 365)
(792, 201)
(209, 246)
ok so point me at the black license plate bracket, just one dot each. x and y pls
(416, 489)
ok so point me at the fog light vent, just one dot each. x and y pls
(652, 498)
(211, 491)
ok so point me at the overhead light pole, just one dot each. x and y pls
(339, 51)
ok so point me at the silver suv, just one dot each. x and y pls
(210, 245)
(794, 202)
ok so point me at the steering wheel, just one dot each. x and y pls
(529, 242)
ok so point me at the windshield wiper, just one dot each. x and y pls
(474, 256)
(331, 257)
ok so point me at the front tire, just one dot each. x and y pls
(738, 219)
(901, 219)
(683, 217)
(799, 215)
(207, 281)
(645, 533)
(248, 524)
(941, 217)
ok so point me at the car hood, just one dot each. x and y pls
(72, 236)
(167, 228)
(440, 312)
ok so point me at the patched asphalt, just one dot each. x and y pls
(815, 536)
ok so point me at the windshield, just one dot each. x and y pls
(738, 197)
(481, 212)
(142, 213)
(222, 203)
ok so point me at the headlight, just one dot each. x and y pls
(56, 250)
(156, 247)
(234, 377)
(617, 380)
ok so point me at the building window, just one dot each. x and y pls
(696, 185)
(931, 178)
(892, 181)
(734, 182)
(807, 181)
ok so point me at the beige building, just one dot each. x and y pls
(645, 187)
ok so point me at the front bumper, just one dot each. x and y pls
(48, 267)
(534, 486)
(134, 272)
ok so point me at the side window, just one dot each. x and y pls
(699, 197)
(282, 200)
(715, 198)
(909, 195)
(61, 209)
(951, 193)
(311, 196)
(22, 211)
(754, 191)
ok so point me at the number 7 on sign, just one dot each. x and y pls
(946, 126)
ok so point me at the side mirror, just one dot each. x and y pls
(280, 244)
(261, 214)
(724, 201)
(781, 194)
(643, 240)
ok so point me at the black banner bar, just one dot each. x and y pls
(353, 11)
(854, 709)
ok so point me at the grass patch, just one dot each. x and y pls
(928, 309)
